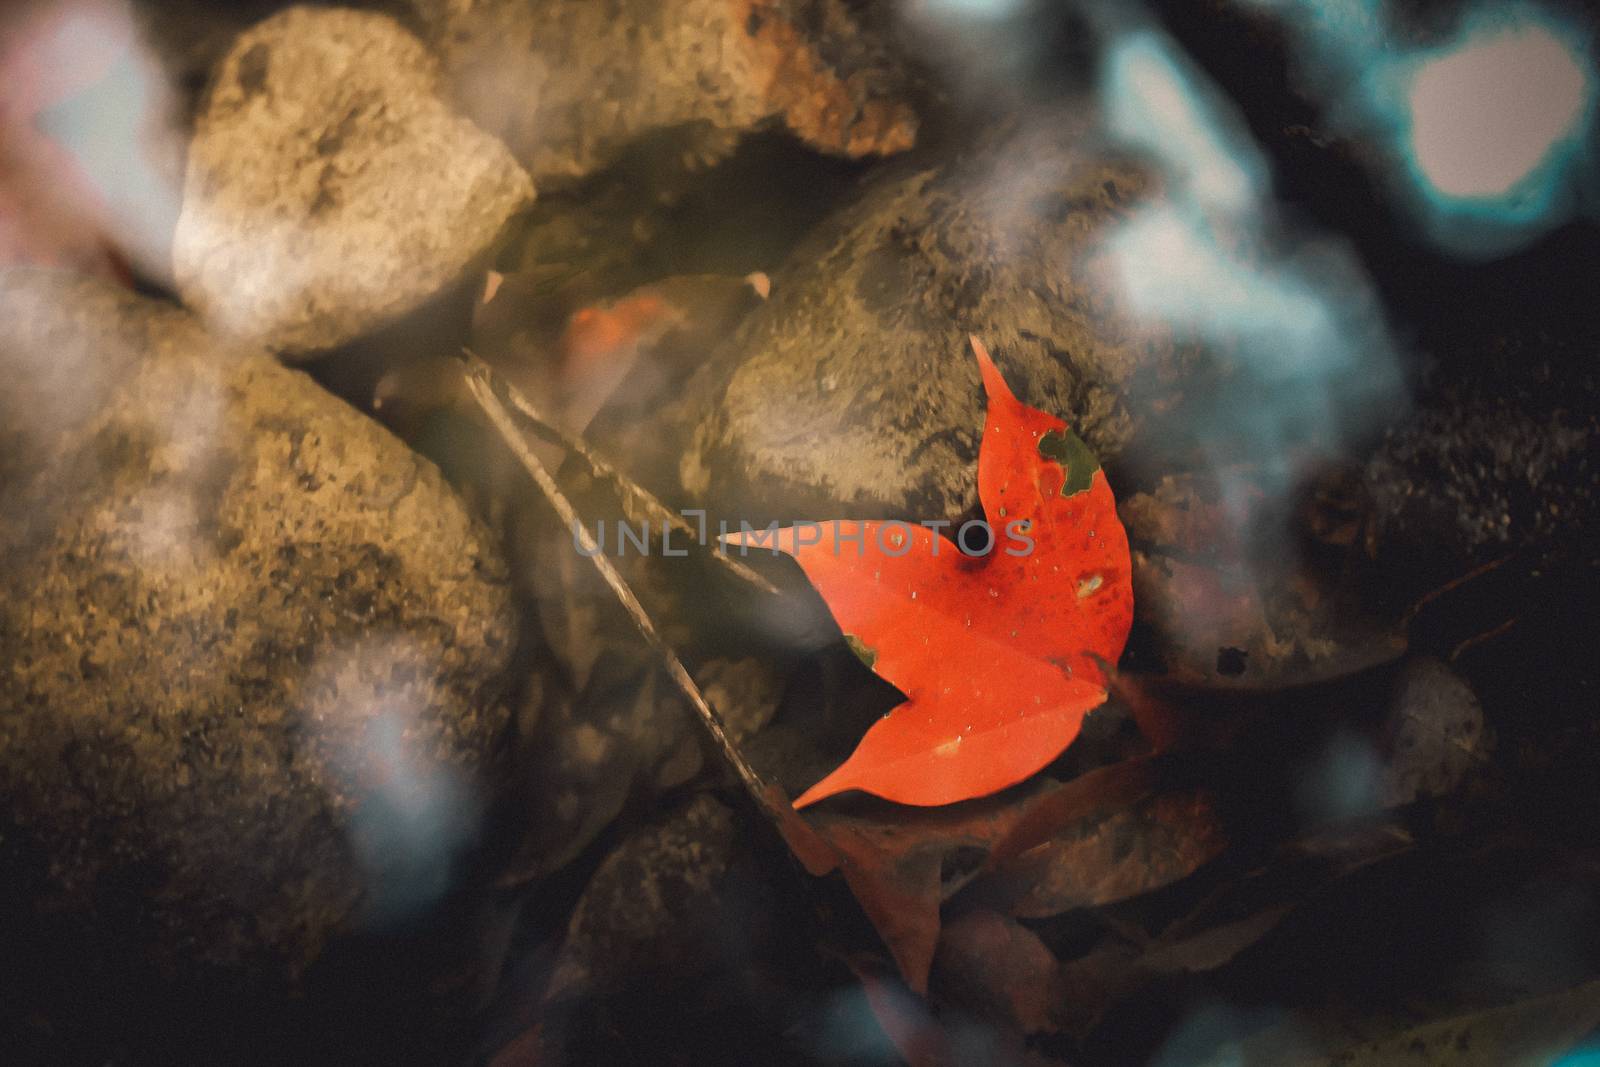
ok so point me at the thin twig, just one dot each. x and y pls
(478, 385)
(602, 468)
(1477, 639)
(1452, 585)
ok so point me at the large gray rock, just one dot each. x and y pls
(570, 85)
(853, 388)
(253, 651)
(329, 188)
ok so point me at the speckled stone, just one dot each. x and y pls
(1473, 478)
(253, 651)
(330, 189)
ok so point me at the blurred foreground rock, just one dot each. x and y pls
(330, 189)
(853, 388)
(601, 76)
(253, 660)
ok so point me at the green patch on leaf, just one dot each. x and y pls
(864, 652)
(1067, 448)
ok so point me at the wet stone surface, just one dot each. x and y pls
(255, 657)
(851, 389)
(330, 189)
(697, 74)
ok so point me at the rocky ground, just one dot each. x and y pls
(320, 741)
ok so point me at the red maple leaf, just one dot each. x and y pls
(998, 653)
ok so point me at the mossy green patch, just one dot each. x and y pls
(1067, 448)
(864, 652)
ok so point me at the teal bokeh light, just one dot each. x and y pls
(1490, 132)
(1215, 262)
(978, 10)
(1172, 266)
(1494, 130)
(1491, 115)
(1156, 103)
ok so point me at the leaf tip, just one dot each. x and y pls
(811, 796)
(824, 789)
(994, 383)
(768, 538)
